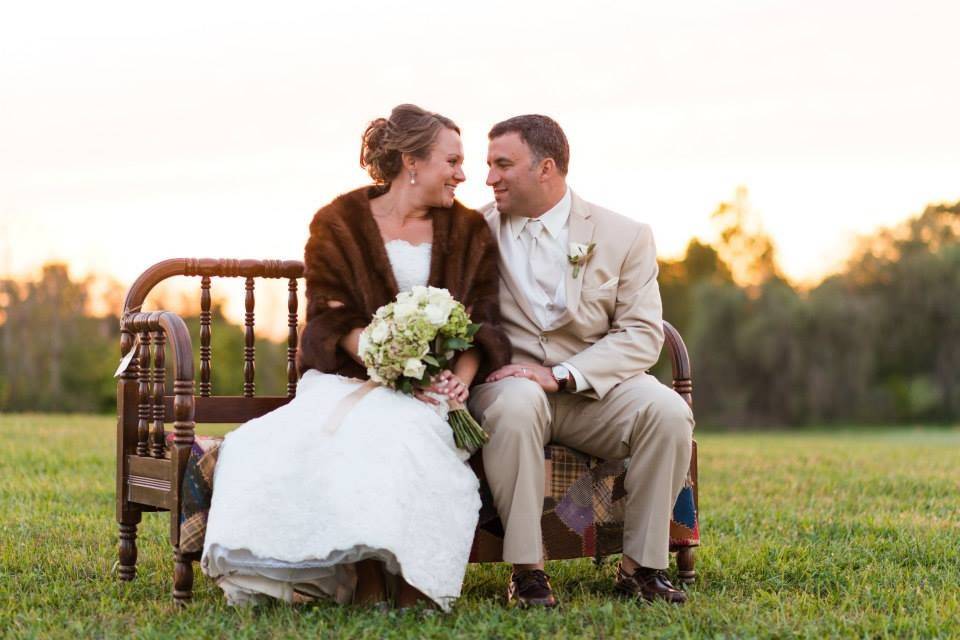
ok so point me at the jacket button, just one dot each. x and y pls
(543, 339)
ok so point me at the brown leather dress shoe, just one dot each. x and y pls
(531, 588)
(649, 585)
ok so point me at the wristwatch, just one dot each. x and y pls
(562, 375)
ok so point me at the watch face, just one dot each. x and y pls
(560, 372)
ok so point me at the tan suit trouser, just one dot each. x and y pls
(640, 418)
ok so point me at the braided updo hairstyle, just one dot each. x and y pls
(409, 129)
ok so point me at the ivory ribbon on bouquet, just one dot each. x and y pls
(346, 405)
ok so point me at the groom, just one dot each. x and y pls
(581, 305)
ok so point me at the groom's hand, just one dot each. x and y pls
(538, 373)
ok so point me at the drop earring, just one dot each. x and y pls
(413, 178)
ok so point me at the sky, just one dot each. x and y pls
(134, 132)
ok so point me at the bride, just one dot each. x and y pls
(307, 504)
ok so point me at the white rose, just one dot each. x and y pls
(436, 314)
(413, 368)
(372, 374)
(419, 293)
(404, 309)
(578, 250)
(379, 332)
(404, 296)
(439, 296)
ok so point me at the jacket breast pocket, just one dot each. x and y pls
(597, 293)
(597, 304)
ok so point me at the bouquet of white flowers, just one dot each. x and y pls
(414, 338)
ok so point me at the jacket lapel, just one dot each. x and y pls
(581, 231)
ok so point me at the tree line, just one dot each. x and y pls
(56, 356)
(878, 342)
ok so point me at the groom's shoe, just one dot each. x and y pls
(531, 588)
(648, 584)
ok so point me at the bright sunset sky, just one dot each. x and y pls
(133, 132)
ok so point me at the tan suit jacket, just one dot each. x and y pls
(613, 327)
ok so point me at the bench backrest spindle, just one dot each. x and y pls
(292, 338)
(205, 336)
(157, 436)
(144, 410)
(249, 365)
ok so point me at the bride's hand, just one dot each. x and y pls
(421, 395)
(447, 382)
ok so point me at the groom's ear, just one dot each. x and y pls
(547, 169)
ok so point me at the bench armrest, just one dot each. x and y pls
(178, 338)
(679, 363)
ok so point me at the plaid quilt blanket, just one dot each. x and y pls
(582, 508)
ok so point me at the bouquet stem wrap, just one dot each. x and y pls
(467, 433)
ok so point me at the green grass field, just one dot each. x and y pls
(812, 534)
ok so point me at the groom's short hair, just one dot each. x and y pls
(542, 134)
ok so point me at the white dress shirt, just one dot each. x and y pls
(549, 302)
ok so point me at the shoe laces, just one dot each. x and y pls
(662, 575)
(649, 575)
(530, 577)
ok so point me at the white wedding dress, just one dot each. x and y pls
(294, 505)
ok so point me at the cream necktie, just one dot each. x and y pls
(541, 266)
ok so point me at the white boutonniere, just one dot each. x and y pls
(579, 254)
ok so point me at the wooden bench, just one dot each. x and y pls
(150, 466)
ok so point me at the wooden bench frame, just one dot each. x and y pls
(149, 476)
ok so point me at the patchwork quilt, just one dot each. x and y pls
(582, 508)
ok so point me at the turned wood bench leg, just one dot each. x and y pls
(182, 578)
(128, 546)
(685, 565)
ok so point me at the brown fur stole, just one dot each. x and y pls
(346, 262)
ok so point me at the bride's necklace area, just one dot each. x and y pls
(412, 231)
(390, 216)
